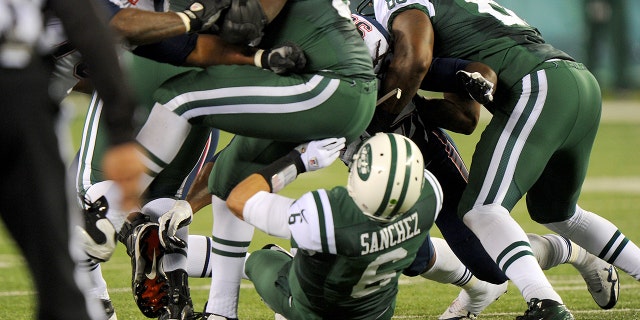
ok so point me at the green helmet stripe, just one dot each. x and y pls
(392, 173)
(405, 181)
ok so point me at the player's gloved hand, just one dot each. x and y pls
(318, 154)
(283, 59)
(244, 22)
(479, 88)
(202, 14)
(179, 216)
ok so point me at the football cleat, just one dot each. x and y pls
(179, 306)
(479, 88)
(98, 235)
(470, 303)
(546, 310)
(602, 282)
(148, 282)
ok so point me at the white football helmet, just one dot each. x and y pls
(386, 176)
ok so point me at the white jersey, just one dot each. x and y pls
(69, 70)
(375, 37)
(21, 32)
(384, 13)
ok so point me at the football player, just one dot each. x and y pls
(343, 83)
(352, 242)
(161, 41)
(459, 113)
(538, 142)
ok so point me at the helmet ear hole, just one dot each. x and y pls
(386, 177)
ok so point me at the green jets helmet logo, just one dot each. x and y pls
(364, 162)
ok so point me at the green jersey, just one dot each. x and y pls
(348, 265)
(326, 34)
(479, 30)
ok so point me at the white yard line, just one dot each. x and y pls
(624, 111)
(608, 184)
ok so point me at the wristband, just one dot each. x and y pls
(185, 20)
(257, 58)
(283, 171)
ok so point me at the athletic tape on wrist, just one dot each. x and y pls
(257, 58)
(283, 171)
(185, 20)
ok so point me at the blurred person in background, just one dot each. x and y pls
(607, 23)
(34, 172)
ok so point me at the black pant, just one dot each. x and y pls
(33, 198)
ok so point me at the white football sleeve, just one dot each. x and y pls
(311, 222)
(269, 212)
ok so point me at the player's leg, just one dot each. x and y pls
(601, 277)
(445, 267)
(554, 204)
(147, 75)
(153, 294)
(503, 169)
(292, 108)
(447, 165)
(232, 236)
(602, 238)
(268, 269)
(199, 176)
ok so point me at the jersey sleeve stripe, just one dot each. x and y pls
(325, 221)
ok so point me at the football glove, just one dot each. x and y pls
(179, 216)
(318, 154)
(202, 14)
(479, 88)
(244, 22)
(283, 59)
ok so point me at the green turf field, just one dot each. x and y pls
(611, 190)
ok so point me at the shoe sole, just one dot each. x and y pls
(150, 285)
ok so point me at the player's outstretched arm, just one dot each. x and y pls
(274, 177)
(139, 27)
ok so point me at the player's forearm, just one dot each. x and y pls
(212, 50)
(246, 189)
(412, 55)
(456, 113)
(199, 195)
(406, 76)
(143, 27)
